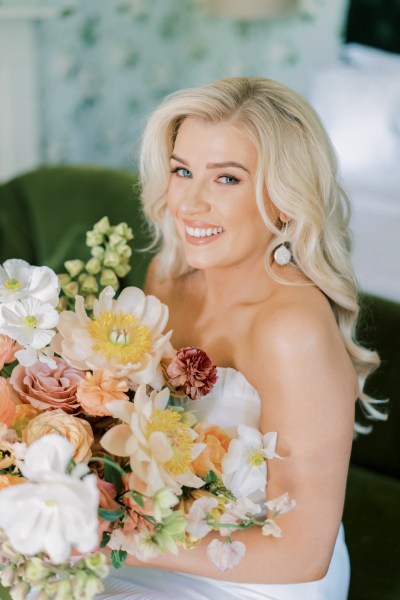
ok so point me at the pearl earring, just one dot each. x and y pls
(282, 254)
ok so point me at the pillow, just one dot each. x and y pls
(359, 104)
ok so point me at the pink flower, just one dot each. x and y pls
(46, 388)
(8, 401)
(7, 349)
(192, 370)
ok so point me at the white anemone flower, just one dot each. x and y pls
(225, 555)
(54, 511)
(244, 469)
(124, 336)
(19, 280)
(160, 446)
(31, 323)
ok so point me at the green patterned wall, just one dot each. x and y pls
(105, 64)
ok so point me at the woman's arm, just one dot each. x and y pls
(297, 361)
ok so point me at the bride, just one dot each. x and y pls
(239, 184)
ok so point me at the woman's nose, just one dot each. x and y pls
(194, 202)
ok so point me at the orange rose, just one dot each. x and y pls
(217, 442)
(76, 430)
(8, 480)
(8, 401)
(99, 388)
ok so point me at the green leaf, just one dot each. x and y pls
(118, 558)
(106, 460)
(136, 496)
(113, 476)
(211, 477)
(105, 539)
(110, 515)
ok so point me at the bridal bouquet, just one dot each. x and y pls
(99, 446)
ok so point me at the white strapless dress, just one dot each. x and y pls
(231, 402)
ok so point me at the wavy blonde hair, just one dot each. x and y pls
(297, 166)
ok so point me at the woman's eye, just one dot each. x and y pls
(181, 172)
(228, 179)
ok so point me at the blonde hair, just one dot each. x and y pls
(297, 165)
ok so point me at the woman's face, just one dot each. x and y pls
(211, 196)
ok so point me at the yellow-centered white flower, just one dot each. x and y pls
(244, 469)
(159, 445)
(19, 279)
(124, 336)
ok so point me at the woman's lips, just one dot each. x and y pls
(203, 234)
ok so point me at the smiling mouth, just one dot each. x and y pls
(200, 232)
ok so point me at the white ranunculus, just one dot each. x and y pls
(54, 511)
(244, 469)
(30, 322)
(19, 280)
(225, 555)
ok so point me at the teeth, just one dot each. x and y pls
(202, 232)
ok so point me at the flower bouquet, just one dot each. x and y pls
(98, 445)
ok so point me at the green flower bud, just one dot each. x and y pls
(62, 304)
(35, 569)
(114, 239)
(90, 285)
(174, 524)
(93, 586)
(124, 251)
(78, 584)
(96, 562)
(108, 277)
(82, 277)
(163, 500)
(94, 238)
(93, 266)
(19, 591)
(102, 226)
(97, 252)
(63, 279)
(71, 289)
(124, 231)
(8, 576)
(74, 267)
(122, 269)
(89, 301)
(111, 259)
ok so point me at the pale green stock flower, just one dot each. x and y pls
(74, 267)
(163, 501)
(93, 266)
(102, 226)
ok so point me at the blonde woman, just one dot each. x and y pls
(239, 184)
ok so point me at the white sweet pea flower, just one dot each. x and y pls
(30, 322)
(271, 528)
(225, 555)
(244, 469)
(281, 505)
(54, 511)
(237, 511)
(19, 280)
(159, 444)
(29, 357)
(197, 516)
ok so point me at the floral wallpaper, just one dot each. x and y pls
(105, 64)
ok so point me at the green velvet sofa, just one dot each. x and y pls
(43, 217)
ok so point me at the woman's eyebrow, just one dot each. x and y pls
(214, 165)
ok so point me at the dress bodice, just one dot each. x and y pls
(232, 401)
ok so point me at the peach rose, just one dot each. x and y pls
(8, 480)
(99, 388)
(8, 347)
(47, 388)
(217, 442)
(8, 401)
(76, 430)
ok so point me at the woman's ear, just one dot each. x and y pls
(284, 218)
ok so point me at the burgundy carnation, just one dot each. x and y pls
(194, 371)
